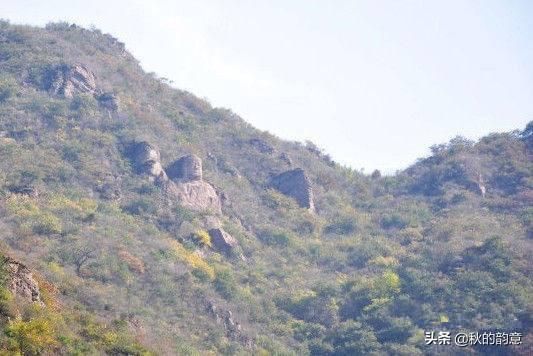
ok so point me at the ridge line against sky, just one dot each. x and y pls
(373, 83)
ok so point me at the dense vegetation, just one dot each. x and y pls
(382, 260)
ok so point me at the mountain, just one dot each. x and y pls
(136, 218)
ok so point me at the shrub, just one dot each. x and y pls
(32, 337)
(202, 238)
(7, 88)
(275, 238)
(47, 224)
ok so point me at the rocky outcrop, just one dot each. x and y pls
(189, 187)
(147, 160)
(69, 80)
(109, 191)
(295, 184)
(186, 184)
(195, 195)
(232, 327)
(20, 281)
(481, 185)
(109, 101)
(187, 168)
(222, 241)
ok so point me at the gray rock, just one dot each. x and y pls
(286, 158)
(295, 184)
(195, 195)
(222, 241)
(146, 158)
(70, 80)
(110, 191)
(20, 281)
(109, 101)
(187, 168)
(232, 327)
(188, 186)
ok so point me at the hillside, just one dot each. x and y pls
(157, 223)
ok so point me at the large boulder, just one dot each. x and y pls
(146, 159)
(295, 184)
(187, 168)
(196, 195)
(20, 281)
(222, 241)
(189, 187)
(68, 80)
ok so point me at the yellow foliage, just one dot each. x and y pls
(32, 337)
(203, 238)
(110, 337)
(382, 261)
(32, 215)
(82, 206)
(47, 223)
(387, 284)
(22, 206)
(192, 259)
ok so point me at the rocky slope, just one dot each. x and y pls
(164, 222)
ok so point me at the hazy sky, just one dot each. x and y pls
(374, 83)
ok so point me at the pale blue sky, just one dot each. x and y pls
(374, 83)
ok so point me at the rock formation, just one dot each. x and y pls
(20, 281)
(186, 184)
(232, 327)
(196, 195)
(109, 101)
(147, 160)
(286, 158)
(189, 187)
(481, 185)
(222, 241)
(69, 80)
(297, 185)
(187, 168)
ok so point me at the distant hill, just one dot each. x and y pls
(149, 222)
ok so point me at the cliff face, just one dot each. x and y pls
(250, 245)
(20, 281)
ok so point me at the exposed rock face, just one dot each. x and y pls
(146, 158)
(21, 282)
(196, 195)
(186, 186)
(223, 241)
(70, 80)
(481, 185)
(189, 187)
(109, 101)
(232, 327)
(297, 185)
(187, 168)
